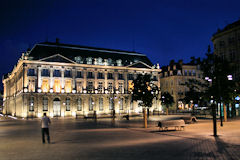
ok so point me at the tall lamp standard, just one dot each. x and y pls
(213, 106)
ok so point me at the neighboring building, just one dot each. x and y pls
(70, 80)
(173, 78)
(227, 45)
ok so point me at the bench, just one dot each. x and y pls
(177, 124)
(189, 119)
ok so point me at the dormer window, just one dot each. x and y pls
(119, 62)
(78, 59)
(89, 60)
(100, 61)
(109, 61)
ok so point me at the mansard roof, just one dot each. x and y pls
(48, 49)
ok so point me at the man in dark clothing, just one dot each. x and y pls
(45, 121)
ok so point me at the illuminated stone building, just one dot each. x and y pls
(71, 80)
(173, 78)
(227, 46)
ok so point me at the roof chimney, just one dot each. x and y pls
(57, 40)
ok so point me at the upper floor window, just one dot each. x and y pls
(222, 44)
(193, 72)
(110, 87)
(130, 76)
(155, 78)
(45, 72)
(190, 73)
(90, 87)
(100, 87)
(110, 76)
(31, 72)
(79, 74)
(90, 75)
(56, 73)
(185, 73)
(120, 76)
(67, 73)
(120, 87)
(100, 75)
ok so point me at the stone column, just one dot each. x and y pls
(125, 81)
(62, 78)
(95, 80)
(51, 77)
(84, 78)
(105, 80)
(74, 79)
(39, 77)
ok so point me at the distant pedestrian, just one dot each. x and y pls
(45, 127)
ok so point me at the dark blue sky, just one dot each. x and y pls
(161, 29)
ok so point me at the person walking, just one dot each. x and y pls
(45, 121)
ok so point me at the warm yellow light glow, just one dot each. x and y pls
(39, 115)
(68, 86)
(56, 86)
(51, 114)
(62, 114)
(74, 114)
(45, 85)
(130, 86)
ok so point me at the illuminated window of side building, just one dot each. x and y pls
(79, 104)
(45, 104)
(45, 85)
(57, 86)
(31, 104)
(68, 86)
(67, 104)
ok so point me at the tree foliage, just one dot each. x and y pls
(144, 90)
(167, 99)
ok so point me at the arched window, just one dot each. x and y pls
(100, 104)
(121, 104)
(45, 104)
(91, 104)
(31, 104)
(111, 103)
(67, 104)
(79, 104)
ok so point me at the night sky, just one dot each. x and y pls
(161, 29)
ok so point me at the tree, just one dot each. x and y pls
(167, 100)
(218, 69)
(143, 92)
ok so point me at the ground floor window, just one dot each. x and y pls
(45, 104)
(100, 104)
(131, 105)
(121, 104)
(111, 103)
(91, 104)
(31, 104)
(67, 104)
(79, 104)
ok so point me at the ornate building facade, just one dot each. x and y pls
(70, 80)
(227, 46)
(173, 79)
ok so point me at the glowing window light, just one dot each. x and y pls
(56, 87)
(45, 85)
(68, 86)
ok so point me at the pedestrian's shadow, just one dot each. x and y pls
(222, 148)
